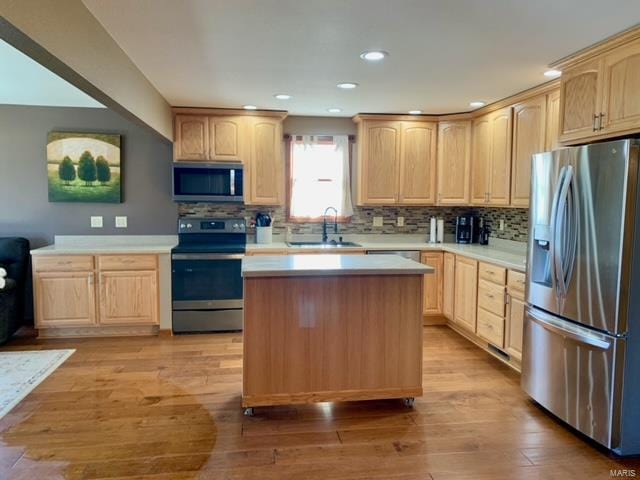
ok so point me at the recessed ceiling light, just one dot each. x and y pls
(373, 55)
(477, 104)
(415, 112)
(347, 85)
(552, 73)
(250, 107)
(282, 96)
(334, 110)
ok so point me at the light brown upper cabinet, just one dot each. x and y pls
(552, 134)
(529, 125)
(599, 95)
(264, 175)
(396, 162)
(191, 138)
(226, 139)
(454, 162)
(418, 163)
(209, 138)
(379, 162)
(621, 90)
(491, 158)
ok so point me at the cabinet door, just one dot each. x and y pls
(454, 162)
(448, 285)
(418, 163)
(480, 160)
(128, 298)
(515, 322)
(380, 162)
(266, 163)
(580, 91)
(621, 90)
(466, 292)
(529, 124)
(552, 135)
(226, 139)
(432, 303)
(500, 171)
(192, 138)
(64, 299)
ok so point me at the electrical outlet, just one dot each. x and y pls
(502, 224)
(96, 222)
(400, 221)
(121, 222)
(377, 221)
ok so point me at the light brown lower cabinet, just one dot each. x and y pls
(128, 298)
(432, 301)
(466, 293)
(448, 286)
(67, 298)
(515, 314)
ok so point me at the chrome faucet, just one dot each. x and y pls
(325, 237)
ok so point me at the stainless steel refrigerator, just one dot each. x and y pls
(581, 352)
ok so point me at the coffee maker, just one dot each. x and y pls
(466, 229)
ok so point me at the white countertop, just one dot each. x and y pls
(106, 244)
(330, 265)
(506, 254)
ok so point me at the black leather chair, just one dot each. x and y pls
(14, 257)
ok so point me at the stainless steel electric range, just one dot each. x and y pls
(206, 277)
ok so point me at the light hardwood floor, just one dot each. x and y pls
(169, 408)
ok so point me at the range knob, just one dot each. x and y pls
(236, 226)
(189, 225)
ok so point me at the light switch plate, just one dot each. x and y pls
(400, 221)
(96, 222)
(121, 222)
(377, 221)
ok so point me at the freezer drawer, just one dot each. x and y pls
(570, 370)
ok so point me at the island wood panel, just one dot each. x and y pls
(352, 337)
(448, 285)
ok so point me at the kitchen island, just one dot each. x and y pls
(321, 328)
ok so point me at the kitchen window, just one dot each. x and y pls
(319, 177)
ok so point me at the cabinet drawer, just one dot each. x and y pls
(494, 274)
(63, 263)
(491, 328)
(491, 297)
(516, 284)
(127, 262)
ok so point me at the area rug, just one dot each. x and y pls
(21, 372)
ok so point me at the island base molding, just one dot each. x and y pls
(330, 396)
(331, 338)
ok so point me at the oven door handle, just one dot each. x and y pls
(207, 256)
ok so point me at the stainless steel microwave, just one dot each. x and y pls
(207, 182)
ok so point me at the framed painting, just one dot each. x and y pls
(84, 167)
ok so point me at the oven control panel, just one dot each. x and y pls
(211, 225)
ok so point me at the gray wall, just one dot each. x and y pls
(24, 206)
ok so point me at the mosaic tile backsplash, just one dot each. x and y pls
(416, 219)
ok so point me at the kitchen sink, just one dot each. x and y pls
(331, 244)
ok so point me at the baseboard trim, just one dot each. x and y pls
(98, 331)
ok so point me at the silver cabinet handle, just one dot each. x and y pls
(595, 122)
(600, 121)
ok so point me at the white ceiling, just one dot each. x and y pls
(24, 81)
(443, 54)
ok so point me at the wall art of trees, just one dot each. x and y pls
(83, 167)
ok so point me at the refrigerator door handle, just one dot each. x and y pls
(553, 222)
(549, 324)
(562, 250)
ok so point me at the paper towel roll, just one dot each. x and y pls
(440, 235)
(3, 272)
(432, 230)
(3, 282)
